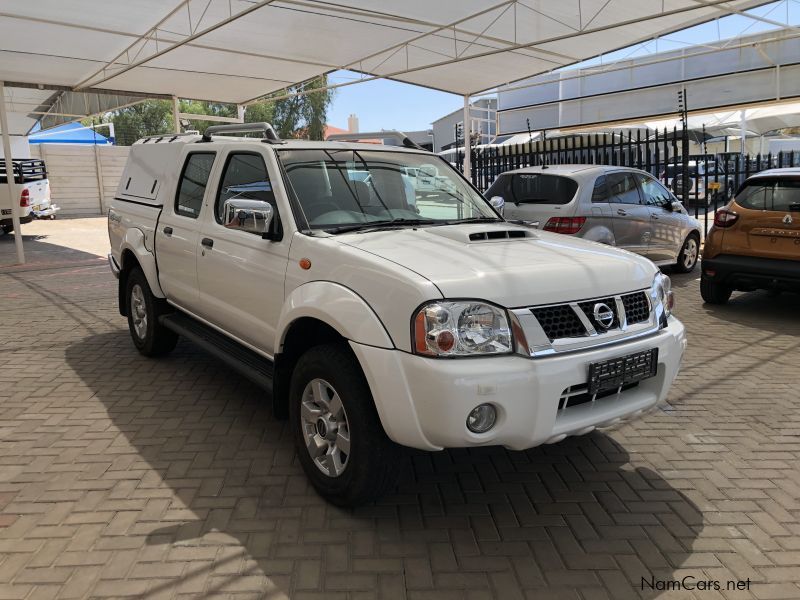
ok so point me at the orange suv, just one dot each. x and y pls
(755, 241)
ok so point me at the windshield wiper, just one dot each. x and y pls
(377, 225)
(475, 220)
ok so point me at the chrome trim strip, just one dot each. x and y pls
(587, 324)
(621, 316)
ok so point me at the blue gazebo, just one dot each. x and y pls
(69, 133)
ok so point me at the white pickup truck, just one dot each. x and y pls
(375, 323)
(32, 192)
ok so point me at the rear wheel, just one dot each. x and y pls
(339, 438)
(7, 228)
(713, 292)
(687, 259)
(148, 335)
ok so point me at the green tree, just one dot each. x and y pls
(297, 116)
(146, 118)
(304, 115)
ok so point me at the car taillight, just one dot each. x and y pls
(568, 225)
(25, 198)
(725, 218)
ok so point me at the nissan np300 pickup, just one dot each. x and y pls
(376, 316)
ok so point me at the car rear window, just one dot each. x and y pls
(770, 194)
(528, 188)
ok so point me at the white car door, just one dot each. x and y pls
(178, 231)
(240, 274)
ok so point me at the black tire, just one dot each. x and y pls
(150, 338)
(713, 292)
(690, 252)
(7, 229)
(372, 464)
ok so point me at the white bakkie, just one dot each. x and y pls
(376, 316)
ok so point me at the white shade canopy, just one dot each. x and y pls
(239, 50)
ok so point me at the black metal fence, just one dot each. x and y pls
(710, 179)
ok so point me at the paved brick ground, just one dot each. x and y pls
(122, 476)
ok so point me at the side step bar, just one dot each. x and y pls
(256, 368)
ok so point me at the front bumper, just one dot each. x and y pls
(752, 272)
(424, 402)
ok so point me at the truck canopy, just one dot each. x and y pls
(151, 164)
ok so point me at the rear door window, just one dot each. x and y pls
(622, 188)
(770, 194)
(600, 191)
(192, 186)
(537, 188)
(653, 193)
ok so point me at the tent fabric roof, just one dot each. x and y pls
(239, 50)
(69, 133)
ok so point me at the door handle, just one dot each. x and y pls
(621, 212)
(655, 218)
(207, 242)
(167, 230)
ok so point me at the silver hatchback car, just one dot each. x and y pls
(619, 206)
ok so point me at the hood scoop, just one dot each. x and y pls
(499, 234)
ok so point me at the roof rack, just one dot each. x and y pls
(170, 137)
(391, 134)
(270, 136)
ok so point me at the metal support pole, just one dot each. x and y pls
(176, 119)
(12, 187)
(743, 130)
(467, 135)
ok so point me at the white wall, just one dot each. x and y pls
(19, 147)
(83, 179)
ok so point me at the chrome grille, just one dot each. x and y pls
(573, 326)
(637, 307)
(559, 321)
(588, 310)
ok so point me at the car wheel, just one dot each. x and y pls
(7, 228)
(713, 292)
(339, 438)
(149, 336)
(690, 251)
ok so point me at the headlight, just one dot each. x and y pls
(662, 293)
(463, 328)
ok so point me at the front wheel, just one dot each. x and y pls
(713, 292)
(339, 438)
(690, 251)
(149, 336)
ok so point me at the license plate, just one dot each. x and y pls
(37, 208)
(617, 372)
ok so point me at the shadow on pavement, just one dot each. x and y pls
(40, 254)
(558, 521)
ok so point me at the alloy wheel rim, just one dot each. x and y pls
(139, 311)
(326, 431)
(690, 253)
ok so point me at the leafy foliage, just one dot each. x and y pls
(297, 116)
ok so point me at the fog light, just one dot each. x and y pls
(482, 418)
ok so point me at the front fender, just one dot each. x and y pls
(134, 241)
(338, 306)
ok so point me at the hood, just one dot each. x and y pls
(509, 265)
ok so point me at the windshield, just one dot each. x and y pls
(344, 189)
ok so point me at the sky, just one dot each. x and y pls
(382, 104)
